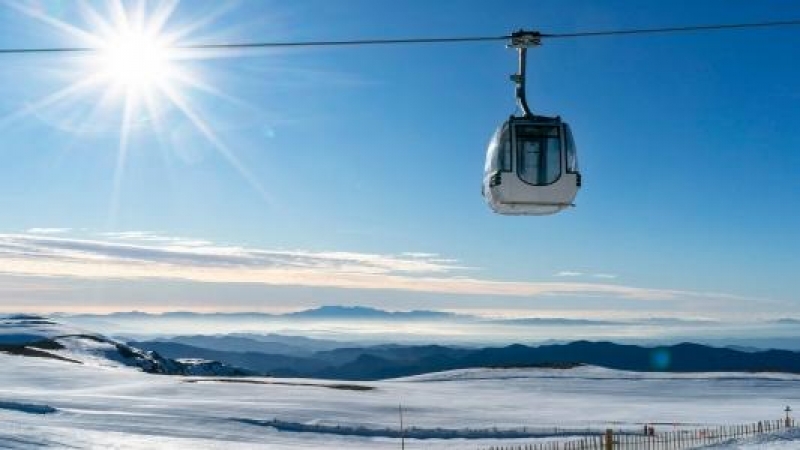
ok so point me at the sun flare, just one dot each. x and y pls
(137, 61)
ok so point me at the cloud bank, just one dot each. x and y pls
(147, 256)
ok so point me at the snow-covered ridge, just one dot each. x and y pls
(587, 372)
(41, 337)
(25, 329)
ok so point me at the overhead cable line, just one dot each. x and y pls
(429, 40)
(681, 29)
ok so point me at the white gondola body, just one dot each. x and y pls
(531, 167)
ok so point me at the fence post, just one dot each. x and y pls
(609, 440)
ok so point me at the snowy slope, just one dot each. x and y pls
(36, 336)
(591, 373)
(96, 406)
(778, 441)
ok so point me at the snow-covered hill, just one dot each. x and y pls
(36, 336)
(83, 390)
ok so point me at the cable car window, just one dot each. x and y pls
(572, 155)
(538, 154)
(499, 158)
(504, 158)
(492, 153)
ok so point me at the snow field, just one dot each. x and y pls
(101, 404)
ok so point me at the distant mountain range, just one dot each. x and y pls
(286, 356)
(362, 312)
(334, 312)
(389, 361)
(268, 343)
(320, 313)
(788, 321)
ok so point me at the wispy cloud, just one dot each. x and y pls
(142, 255)
(419, 255)
(48, 230)
(148, 236)
(568, 273)
(607, 276)
(571, 273)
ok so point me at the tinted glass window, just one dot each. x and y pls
(572, 151)
(499, 154)
(538, 154)
(505, 154)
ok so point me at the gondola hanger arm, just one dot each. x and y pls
(521, 41)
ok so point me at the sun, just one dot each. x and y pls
(138, 76)
(137, 61)
(136, 53)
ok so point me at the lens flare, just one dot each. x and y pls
(660, 359)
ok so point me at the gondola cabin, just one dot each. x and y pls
(531, 167)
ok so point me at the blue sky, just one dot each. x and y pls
(688, 145)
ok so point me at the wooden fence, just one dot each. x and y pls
(682, 439)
